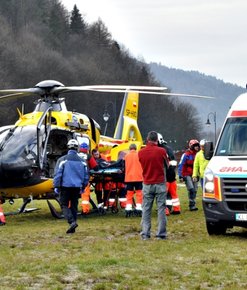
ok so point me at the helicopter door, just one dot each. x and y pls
(43, 132)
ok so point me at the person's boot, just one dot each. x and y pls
(72, 228)
(193, 208)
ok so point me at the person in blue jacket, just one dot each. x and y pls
(71, 176)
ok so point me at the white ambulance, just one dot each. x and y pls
(225, 179)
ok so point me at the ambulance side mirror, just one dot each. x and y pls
(208, 150)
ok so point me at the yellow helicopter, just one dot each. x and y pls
(30, 148)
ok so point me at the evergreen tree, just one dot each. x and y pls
(58, 26)
(77, 24)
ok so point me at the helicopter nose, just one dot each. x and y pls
(18, 173)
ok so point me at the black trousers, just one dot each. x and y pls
(69, 202)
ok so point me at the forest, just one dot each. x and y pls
(41, 40)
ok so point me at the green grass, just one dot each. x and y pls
(106, 252)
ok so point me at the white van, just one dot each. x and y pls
(225, 179)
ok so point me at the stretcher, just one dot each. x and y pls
(106, 174)
(114, 177)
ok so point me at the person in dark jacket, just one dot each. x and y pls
(71, 176)
(172, 201)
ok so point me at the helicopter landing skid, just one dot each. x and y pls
(53, 211)
(23, 208)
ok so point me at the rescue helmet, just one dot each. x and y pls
(193, 143)
(73, 144)
(202, 142)
(84, 147)
(173, 163)
(161, 139)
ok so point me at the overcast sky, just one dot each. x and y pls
(207, 36)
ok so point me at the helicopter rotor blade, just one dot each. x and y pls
(124, 88)
(156, 93)
(21, 92)
(54, 88)
(105, 88)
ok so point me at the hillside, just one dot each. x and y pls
(193, 82)
(42, 40)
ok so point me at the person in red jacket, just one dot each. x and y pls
(133, 180)
(2, 216)
(92, 164)
(185, 171)
(153, 159)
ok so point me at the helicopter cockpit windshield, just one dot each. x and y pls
(25, 149)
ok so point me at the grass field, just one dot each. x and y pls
(106, 252)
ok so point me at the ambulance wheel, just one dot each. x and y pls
(216, 228)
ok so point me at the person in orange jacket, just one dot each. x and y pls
(133, 180)
(92, 164)
(2, 216)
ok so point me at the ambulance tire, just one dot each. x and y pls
(216, 228)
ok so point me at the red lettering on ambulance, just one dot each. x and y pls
(232, 169)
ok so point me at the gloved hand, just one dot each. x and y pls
(56, 191)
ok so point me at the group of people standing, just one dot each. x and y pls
(150, 174)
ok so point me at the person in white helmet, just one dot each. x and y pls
(71, 176)
(172, 201)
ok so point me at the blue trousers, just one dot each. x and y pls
(150, 193)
